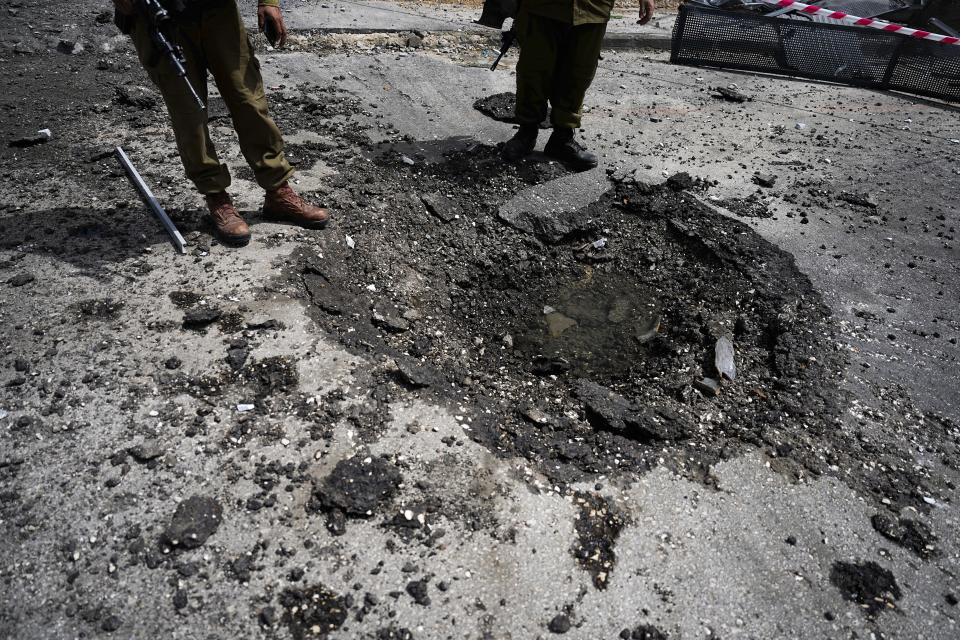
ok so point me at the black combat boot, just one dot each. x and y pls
(522, 143)
(564, 148)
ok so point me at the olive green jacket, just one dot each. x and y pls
(574, 12)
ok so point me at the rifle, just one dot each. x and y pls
(495, 13)
(508, 38)
(158, 22)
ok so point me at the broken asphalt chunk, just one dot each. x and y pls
(136, 96)
(441, 206)
(709, 387)
(40, 137)
(414, 376)
(21, 279)
(200, 318)
(681, 181)
(146, 451)
(731, 94)
(606, 409)
(560, 624)
(388, 321)
(357, 487)
(195, 520)
(552, 227)
(418, 591)
(859, 199)
(765, 180)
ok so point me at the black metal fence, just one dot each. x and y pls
(859, 56)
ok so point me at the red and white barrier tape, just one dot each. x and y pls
(840, 16)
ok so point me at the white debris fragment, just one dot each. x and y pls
(351, 243)
(243, 408)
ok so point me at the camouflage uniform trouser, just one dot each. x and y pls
(217, 41)
(557, 64)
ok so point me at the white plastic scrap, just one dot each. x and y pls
(351, 243)
(243, 408)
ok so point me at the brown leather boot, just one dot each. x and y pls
(228, 226)
(285, 205)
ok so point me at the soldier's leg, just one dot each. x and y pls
(236, 71)
(189, 123)
(576, 67)
(540, 41)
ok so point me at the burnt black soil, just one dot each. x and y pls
(868, 584)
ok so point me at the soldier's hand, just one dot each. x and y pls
(124, 6)
(646, 11)
(273, 16)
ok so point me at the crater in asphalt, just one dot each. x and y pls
(632, 294)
